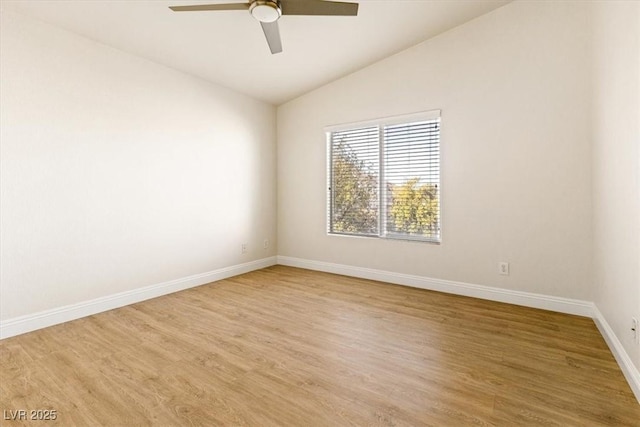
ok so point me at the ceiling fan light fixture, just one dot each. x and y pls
(265, 10)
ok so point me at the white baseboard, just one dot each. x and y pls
(629, 370)
(545, 302)
(31, 322)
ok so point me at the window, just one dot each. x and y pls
(384, 178)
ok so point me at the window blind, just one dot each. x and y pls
(384, 178)
(412, 180)
(354, 186)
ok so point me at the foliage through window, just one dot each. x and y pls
(384, 178)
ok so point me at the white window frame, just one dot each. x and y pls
(381, 123)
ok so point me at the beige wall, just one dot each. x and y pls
(616, 167)
(514, 87)
(118, 173)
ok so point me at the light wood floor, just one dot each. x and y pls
(290, 347)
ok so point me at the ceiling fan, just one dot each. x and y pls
(269, 11)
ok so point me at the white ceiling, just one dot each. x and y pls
(228, 47)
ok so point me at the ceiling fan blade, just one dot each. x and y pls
(202, 7)
(318, 7)
(272, 33)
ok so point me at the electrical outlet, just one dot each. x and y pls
(244, 248)
(634, 329)
(503, 268)
(265, 244)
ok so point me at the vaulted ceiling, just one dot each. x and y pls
(229, 48)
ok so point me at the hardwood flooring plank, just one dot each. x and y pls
(286, 346)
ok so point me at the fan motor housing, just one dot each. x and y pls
(265, 10)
